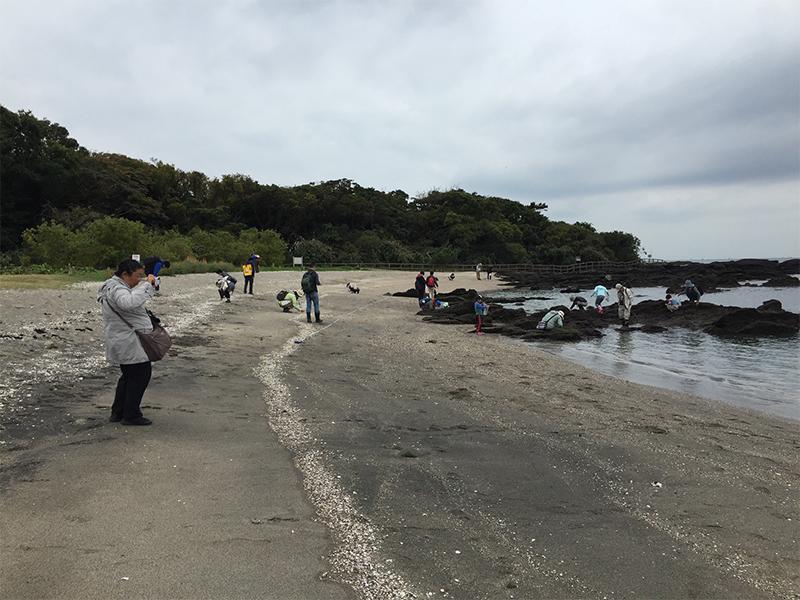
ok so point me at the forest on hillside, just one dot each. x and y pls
(61, 204)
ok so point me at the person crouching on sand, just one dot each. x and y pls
(225, 285)
(625, 299)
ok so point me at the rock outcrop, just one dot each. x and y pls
(650, 316)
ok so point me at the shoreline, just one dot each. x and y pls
(447, 446)
(478, 474)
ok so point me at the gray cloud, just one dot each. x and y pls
(651, 104)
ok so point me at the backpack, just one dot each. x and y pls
(281, 295)
(247, 269)
(307, 282)
(431, 281)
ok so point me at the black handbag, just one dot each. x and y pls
(155, 343)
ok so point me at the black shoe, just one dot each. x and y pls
(114, 418)
(137, 421)
(308, 318)
(317, 319)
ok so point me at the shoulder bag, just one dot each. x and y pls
(155, 343)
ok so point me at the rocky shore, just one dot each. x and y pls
(709, 276)
(650, 316)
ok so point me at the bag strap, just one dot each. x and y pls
(124, 320)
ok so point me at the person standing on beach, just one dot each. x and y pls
(601, 293)
(419, 285)
(122, 298)
(489, 270)
(481, 310)
(432, 282)
(625, 299)
(309, 283)
(478, 268)
(249, 270)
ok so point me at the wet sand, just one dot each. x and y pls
(393, 456)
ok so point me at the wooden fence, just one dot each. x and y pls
(577, 267)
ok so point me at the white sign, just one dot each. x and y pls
(136, 257)
(297, 261)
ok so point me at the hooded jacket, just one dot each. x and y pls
(122, 343)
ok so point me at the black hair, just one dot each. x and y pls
(431, 272)
(219, 271)
(128, 266)
(167, 264)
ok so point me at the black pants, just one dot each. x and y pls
(248, 279)
(225, 294)
(130, 389)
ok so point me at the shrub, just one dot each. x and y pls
(52, 244)
(103, 243)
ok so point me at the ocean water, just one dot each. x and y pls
(760, 374)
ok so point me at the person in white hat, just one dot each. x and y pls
(625, 298)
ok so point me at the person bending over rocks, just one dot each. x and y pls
(553, 319)
(601, 293)
(122, 298)
(691, 291)
(672, 303)
(578, 301)
(625, 301)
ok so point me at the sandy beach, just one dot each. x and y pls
(371, 456)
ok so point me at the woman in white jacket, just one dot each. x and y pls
(126, 293)
(625, 298)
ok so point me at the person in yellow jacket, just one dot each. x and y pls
(249, 272)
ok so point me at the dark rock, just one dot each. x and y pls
(410, 293)
(771, 306)
(791, 266)
(652, 329)
(785, 281)
(569, 291)
(751, 321)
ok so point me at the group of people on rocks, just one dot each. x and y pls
(625, 300)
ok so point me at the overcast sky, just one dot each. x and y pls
(678, 121)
